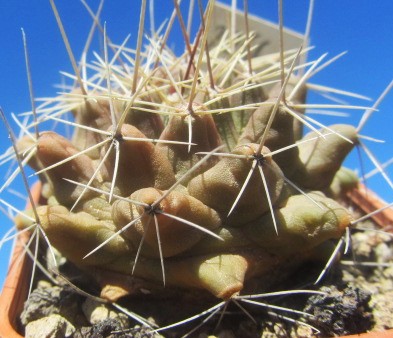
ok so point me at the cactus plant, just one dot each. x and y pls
(190, 172)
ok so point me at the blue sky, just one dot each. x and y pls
(364, 28)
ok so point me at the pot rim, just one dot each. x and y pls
(16, 285)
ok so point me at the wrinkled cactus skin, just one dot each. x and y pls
(247, 244)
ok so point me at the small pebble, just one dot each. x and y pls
(53, 326)
(96, 312)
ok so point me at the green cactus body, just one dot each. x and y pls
(143, 192)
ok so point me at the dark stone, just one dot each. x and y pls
(108, 328)
(47, 299)
(341, 312)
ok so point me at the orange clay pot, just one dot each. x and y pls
(16, 285)
(15, 289)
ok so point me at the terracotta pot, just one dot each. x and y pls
(15, 289)
(16, 285)
(368, 201)
(374, 334)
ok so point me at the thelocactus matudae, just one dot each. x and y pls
(189, 170)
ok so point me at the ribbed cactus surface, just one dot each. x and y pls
(191, 171)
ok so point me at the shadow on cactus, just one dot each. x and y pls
(191, 173)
